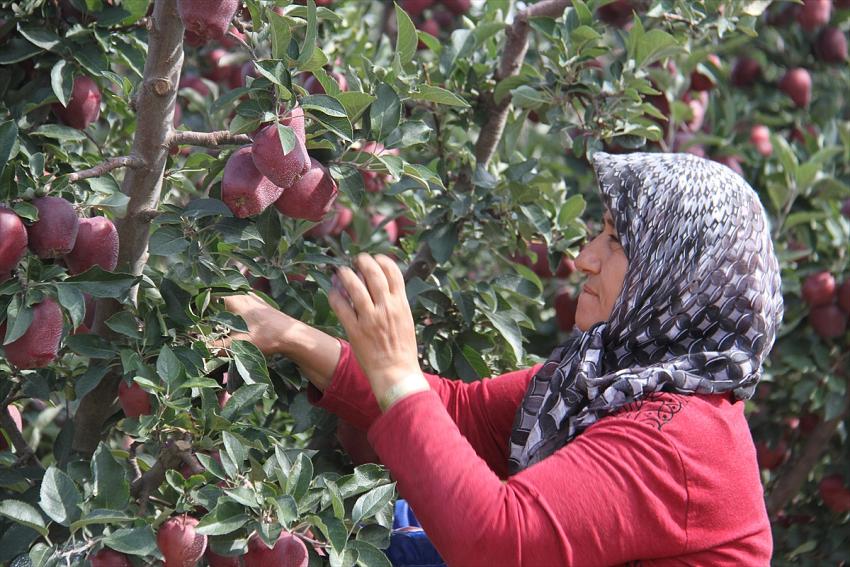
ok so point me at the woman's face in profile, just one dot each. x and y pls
(604, 263)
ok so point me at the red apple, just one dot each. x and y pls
(288, 551)
(108, 558)
(845, 208)
(835, 493)
(179, 543)
(702, 82)
(431, 27)
(831, 45)
(375, 181)
(745, 72)
(283, 169)
(828, 321)
(355, 442)
(133, 399)
(819, 289)
(218, 72)
(698, 104)
(814, 13)
(39, 345)
(334, 224)
(414, 8)
(617, 13)
(760, 138)
(207, 19)
(769, 458)
(55, 232)
(391, 228)
(245, 190)
(797, 84)
(84, 105)
(311, 196)
(844, 296)
(216, 560)
(96, 245)
(565, 310)
(457, 7)
(16, 417)
(13, 240)
(194, 82)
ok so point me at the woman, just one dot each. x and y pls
(629, 445)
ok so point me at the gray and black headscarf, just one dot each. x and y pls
(699, 309)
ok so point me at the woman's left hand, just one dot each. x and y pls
(380, 326)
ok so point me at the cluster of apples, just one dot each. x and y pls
(182, 546)
(434, 16)
(829, 305)
(565, 302)
(57, 234)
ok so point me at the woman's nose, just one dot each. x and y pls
(587, 260)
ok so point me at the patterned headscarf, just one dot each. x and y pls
(699, 309)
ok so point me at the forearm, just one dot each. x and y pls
(315, 352)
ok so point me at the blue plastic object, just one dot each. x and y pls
(409, 544)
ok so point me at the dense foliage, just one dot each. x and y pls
(450, 148)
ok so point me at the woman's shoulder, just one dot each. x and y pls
(667, 411)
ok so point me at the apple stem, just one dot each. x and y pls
(106, 166)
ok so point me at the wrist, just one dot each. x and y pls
(400, 388)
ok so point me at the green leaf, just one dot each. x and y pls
(287, 137)
(475, 360)
(509, 330)
(168, 240)
(439, 95)
(333, 529)
(24, 514)
(300, 475)
(60, 133)
(350, 182)
(125, 323)
(245, 397)
(132, 541)
(168, 366)
(234, 448)
(91, 346)
(281, 34)
(60, 498)
(226, 518)
(528, 97)
(654, 45)
(250, 363)
(74, 302)
(62, 81)
(572, 208)
(385, 112)
(406, 38)
(18, 319)
(310, 36)
(101, 517)
(99, 283)
(442, 241)
(368, 555)
(354, 103)
(8, 142)
(111, 489)
(17, 50)
(42, 38)
(330, 113)
(368, 504)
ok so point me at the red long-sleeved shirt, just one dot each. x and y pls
(671, 480)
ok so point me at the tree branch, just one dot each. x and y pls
(171, 457)
(207, 139)
(516, 46)
(24, 451)
(105, 167)
(155, 103)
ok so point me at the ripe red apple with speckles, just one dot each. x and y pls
(283, 169)
(245, 190)
(13, 240)
(179, 543)
(55, 232)
(83, 106)
(39, 345)
(819, 289)
(134, 400)
(109, 558)
(96, 245)
(206, 19)
(311, 197)
(288, 551)
(216, 560)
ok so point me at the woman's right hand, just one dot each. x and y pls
(267, 327)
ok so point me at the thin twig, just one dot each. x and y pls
(24, 451)
(207, 139)
(105, 167)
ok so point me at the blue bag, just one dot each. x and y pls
(409, 544)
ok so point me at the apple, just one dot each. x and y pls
(414, 8)
(431, 27)
(206, 19)
(844, 296)
(216, 560)
(313, 86)
(845, 208)
(828, 321)
(835, 493)
(15, 413)
(814, 13)
(179, 543)
(702, 82)
(13, 240)
(311, 196)
(288, 551)
(96, 245)
(617, 13)
(218, 72)
(391, 228)
(108, 558)
(228, 42)
(808, 422)
(760, 138)
(283, 169)
(334, 224)
(819, 289)
(698, 104)
(39, 345)
(134, 400)
(245, 190)
(745, 72)
(800, 135)
(797, 84)
(375, 181)
(83, 106)
(831, 45)
(769, 458)
(565, 310)
(355, 442)
(457, 7)
(55, 232)
(194, 82)
(406, 225)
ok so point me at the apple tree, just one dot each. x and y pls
(157, 155)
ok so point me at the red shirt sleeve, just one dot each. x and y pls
(483, 411)
(615, 494)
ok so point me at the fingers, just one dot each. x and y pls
(360, 298)
(376, 279)
(395, 279)
(343, 309)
